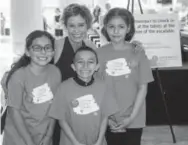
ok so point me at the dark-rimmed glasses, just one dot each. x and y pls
(46, 48)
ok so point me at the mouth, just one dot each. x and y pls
(77, 35)
(42, 58)
(116, 36)
(85, 71)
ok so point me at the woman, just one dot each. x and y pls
(77, 20)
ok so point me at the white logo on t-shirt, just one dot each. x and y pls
(117, 67)
(85, 105)
(42, 94)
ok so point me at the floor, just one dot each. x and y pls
(161, 135)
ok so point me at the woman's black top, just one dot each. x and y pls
(65, 60)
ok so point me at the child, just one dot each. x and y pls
(31, 84)
(130, 81)
(82, 103)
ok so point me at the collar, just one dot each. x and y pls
(82, 83)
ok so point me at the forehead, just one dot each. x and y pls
(84, 54)
(76, 19)
(117, 20)
(41, 40)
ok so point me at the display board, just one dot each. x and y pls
(160, 35)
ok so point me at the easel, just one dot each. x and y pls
(163, 93)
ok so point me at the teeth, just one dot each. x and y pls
(77, 35)
(42, 58)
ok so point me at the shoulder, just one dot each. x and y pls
(66, 84)
(19, 75)
(59, 43)
(58, 48)
(141, 55)
(103, 49)
(99, 83)
(54, 69)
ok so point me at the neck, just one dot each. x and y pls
(37, 70)
(85, 79)
(120, 46)
(75, 45)
(84, 82)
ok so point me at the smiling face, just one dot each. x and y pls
(77, 28)
(117, 29)
(85, 64)
(41, 51)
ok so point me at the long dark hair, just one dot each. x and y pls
(125, 15)
(24, 59)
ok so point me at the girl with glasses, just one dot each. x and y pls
(31, 84)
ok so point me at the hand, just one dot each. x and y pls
(112, 123)
(138, 46)
(46, 141)
(123, 124)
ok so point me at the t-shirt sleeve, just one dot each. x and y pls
(58, 107)
(145, 72)
(109, 103)
(15, 90)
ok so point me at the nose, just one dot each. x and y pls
(116, 30)
(76, 29)
(43, 51)
(85, 65)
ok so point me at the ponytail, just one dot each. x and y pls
(22, 62)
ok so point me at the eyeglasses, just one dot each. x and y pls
(46, 48)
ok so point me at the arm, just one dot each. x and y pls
(50, 130)
(47, 139)
(20, 125)
(68, 132)
(139, 100)
(102, 131)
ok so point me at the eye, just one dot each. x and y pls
(80, 62)
(81, 25)
(49, 48)
(122, 26)
(91, 61)
(71, 25)
(110, 26)
(36, 48)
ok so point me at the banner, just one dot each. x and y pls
(160, 35)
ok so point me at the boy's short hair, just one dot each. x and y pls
(86, 48)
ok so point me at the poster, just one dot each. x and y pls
(160, 35)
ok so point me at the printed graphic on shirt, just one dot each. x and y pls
(42, 94)
(85, 105)
(117, 67)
